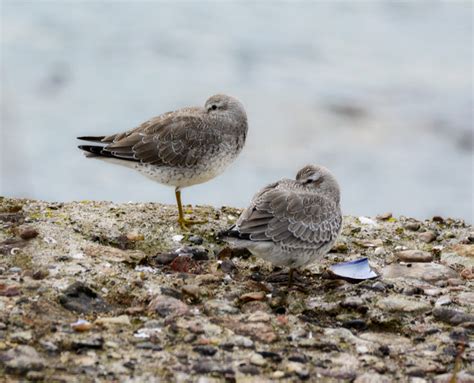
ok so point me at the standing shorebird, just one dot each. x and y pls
(291, 223)
(182, 148)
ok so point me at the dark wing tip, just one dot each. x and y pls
(231, 232)
(91, 138)
(95, 150)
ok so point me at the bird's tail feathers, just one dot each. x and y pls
(94, 151)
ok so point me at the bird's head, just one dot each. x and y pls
(223, 106)
(320, 178)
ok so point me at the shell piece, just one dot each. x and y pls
(358, 270)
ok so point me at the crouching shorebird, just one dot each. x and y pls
(291, 223)
(182, 148)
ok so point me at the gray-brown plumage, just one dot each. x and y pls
(291, 223)
(181, 148)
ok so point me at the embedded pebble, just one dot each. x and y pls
(22, 359)
(414, 256)
(168, 306)
(28, 233)
(257, 359)
(427, 236)
(451, 316)
(412, 226)
(82, 325)
(400, 303)
(429, 272)
(193, 291)
(253, 296)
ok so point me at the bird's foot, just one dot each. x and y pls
(294, 281)
(184, 223)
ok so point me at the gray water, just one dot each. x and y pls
(379, 92)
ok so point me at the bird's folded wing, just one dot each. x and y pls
(174, 140)
(283, 215)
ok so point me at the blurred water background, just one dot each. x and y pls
(379, 92)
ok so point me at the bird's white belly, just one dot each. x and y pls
(183, 177)
(284, 257)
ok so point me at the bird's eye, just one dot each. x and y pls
(214, 107)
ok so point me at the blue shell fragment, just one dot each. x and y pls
(358, 270)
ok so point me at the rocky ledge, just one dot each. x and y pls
(97, 291)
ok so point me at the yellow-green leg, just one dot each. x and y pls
(181, 220)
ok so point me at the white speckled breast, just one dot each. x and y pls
(184, 177)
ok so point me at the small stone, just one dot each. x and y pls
(465, 298)
(427, 236)
(414, 256)
(242, 341)
(299, 358)
(196, 240)
(297, 368)
(370, 243)
(22, 337)
(134, 237)
(434, 292)
(461, 377)
(255, 306)
(378, 286)
(82, 325)
(80, 298)
(27, 233)
(354, 303)
(163, 258)
(177, 237)
(394, 303)
(262, 332)
(257, 360)
(93, 342)
(219, 307)
(467, 273)
(372, 377)
(278, 374)
(273, 356)
(451, 316)
(168, 306)
(458, 255)
(22, 359)
(379, 251)
(205, 350)
(206, 367)
(384, 216)
(198, 253)
(249, 369)
(35, 376)
(148, 346)
(455, 282)
(412, 226)
(9, 290)
(357, 324)
(253, 296)
(121, 320)
(228, 267)
(259, 316)
(438, 219)
(14, 270)
(429, 272)
(237, 252)
(444, 300)
(40, 274)
(367, 221)
(184, 264)
(193, 291)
